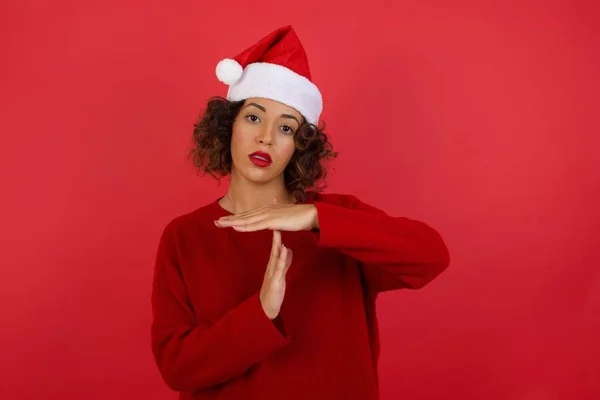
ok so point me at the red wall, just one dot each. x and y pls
(481, 120)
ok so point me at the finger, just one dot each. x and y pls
(276, 245)
(280, 267)
(254, 211)
(288, 260)
(275, 254)
(243, 221)
(242, 214)
(286, 264)
(256, 226)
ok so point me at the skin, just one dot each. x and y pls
(268, 126)
(257, 197)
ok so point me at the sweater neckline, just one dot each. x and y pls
(220, 209)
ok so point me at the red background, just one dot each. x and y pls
(480, 119)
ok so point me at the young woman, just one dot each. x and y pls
(269, 291)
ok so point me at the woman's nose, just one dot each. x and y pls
(265, 137)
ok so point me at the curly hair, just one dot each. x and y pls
(211, 152)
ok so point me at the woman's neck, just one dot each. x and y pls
(244, 195)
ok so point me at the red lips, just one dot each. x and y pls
(260, 159)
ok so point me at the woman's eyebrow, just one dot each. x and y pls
(257, 106)
(290, 117)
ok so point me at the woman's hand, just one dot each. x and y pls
(281, 217)
(272, 291)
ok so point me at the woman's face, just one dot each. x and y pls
(262, 141)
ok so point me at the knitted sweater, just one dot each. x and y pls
(211, 338)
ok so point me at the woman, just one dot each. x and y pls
(269, 291)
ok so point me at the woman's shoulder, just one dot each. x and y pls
(336, 198)
(196, 218)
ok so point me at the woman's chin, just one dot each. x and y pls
(260, 175)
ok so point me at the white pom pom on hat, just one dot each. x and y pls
(229, 71)
(276, 67)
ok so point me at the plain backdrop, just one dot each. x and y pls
(479, 118)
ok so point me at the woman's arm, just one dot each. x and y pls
(193, 355)
(395, 252)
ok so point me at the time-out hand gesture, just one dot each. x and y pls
(282, 217)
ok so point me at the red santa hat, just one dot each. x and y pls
(276, 68)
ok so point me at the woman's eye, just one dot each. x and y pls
(287, 129)
(252, 118)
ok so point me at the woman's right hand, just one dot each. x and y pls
(272, 291)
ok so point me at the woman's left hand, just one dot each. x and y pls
(281, 217)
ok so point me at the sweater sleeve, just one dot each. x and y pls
(394, 252)
(196, 355)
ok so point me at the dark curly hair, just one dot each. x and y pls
(211, 152)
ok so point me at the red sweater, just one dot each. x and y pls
(211, 338)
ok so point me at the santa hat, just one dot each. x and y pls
(276, 68)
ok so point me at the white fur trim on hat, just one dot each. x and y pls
(278, 83)
(229, 71)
